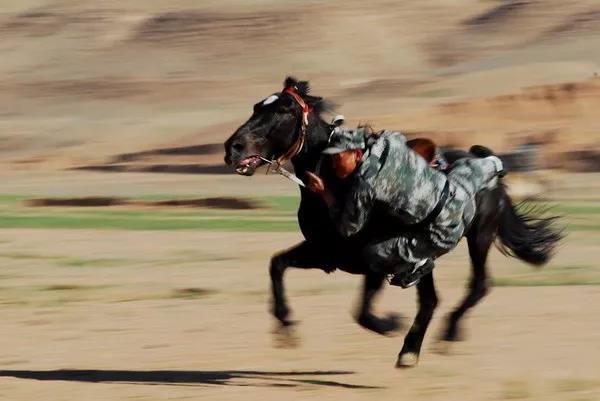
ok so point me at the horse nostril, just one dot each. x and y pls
(238, 147)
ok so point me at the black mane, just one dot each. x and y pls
(318, 104)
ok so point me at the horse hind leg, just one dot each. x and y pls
(381, 325)
(428, 301)
(480, 241)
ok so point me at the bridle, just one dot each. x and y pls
(298, 144)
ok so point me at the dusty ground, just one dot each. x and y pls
(188, 320)
(144, 315)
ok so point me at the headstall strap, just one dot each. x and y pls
(299, 143)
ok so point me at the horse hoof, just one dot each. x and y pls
(443, 347)
(389, 326)
(386, 326)
(395, 323)
(407, 360)
(453, 336)
(285, 337)
(281, 313)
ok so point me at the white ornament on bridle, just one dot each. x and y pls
(270, 100)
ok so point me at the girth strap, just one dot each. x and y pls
(438, 207)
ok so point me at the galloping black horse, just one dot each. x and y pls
(288, 125)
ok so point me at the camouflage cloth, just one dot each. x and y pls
(398, 180)
(343, 139)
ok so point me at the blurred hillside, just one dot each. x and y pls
(83, 82)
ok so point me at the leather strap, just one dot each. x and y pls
(438, 207)
(295, 149)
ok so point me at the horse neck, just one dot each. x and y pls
(317, 135)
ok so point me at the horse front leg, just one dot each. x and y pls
(365, 317)
(304, 256)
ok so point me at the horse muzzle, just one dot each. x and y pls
(248, 165)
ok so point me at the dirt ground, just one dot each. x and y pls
(153, 315)
(188, 320)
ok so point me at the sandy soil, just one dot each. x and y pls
(188, 320)
(183, 315)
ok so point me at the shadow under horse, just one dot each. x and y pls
(288, 126)
(191, 377)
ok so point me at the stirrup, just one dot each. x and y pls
(406, 280)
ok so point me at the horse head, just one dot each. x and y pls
(276, 129)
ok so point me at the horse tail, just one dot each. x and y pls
(524, 233)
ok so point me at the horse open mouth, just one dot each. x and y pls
(249, 165)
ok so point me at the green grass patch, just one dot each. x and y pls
(277, 215)
(543, 282)
(563, 208)
(573, 216)
(552, 276)
(576, 209)
(583, 227)
(66, 221)
(11, 199)
(283, 203)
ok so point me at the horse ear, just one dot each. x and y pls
(424, 147)
(289, 82)
(302, 87)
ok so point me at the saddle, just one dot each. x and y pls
(427, 149)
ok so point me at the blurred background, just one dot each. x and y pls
(126, 244)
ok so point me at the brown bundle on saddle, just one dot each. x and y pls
(428, 150)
